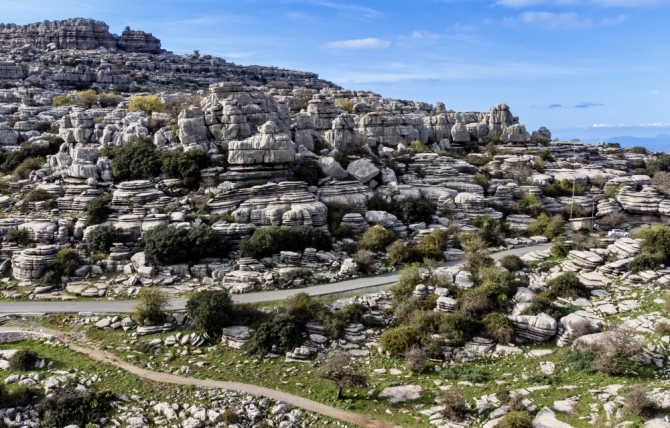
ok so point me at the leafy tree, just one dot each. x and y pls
(151, 305)
(167, 245)
(87, 99)
(376, 239)
(136, 160)
(206, 242)
(185, 166)
(267, 241)
(148, 104)
(210, 310)
(101, 238)
(281, 332)
(546, 226)
(339, 369)
(415, 210)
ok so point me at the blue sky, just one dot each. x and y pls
(583, 68)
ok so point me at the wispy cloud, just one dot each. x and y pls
(584, 104)
(641, 125)
(555, 106)
(517, 4)
(561, 21)
(363, 10)
(655, 92)
(369, 43)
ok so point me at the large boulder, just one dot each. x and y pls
(363, 170)
(332, 168)
(533, 328)
(268, 147)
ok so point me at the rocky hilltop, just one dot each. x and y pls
(82, 53)
(77, 34)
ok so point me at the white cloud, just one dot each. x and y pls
(555, 21)
(655, 92)
(369, 43)
(629, 3)
(641, 125)
(610, 22)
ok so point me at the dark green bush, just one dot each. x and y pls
(546, 226)
(646, 261)
(23, 170)
(268, 241)
(135, 160)
(512, 263)
(409, 279)
(414, 210)
(309, 172)
(184, 165)
(376, 239)
(151, 305)
(378, 204)
(68, 407)
(98, 210)
(210, 310)
(101, 238)
(563, 188)
(23, 360)
(281, 332)
(529, 204)
(491, 230)
(579, 361)
(459, 328)
(566, 285)
(167, 245)
(661, 164)
(656, 240)
(66, 262)
(20, 236)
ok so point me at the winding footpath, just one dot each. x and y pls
(127, 306)
(294, 400)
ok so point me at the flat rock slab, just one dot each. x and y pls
(546, 418)
(399, 394)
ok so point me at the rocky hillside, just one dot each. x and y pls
(82, 53)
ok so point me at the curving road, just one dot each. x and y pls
(125, 306)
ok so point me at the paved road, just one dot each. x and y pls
(121, 306)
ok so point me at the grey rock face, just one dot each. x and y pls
(538, 328)
(363, 170)
(332, 168)
(78, 34)
(514, 134)
(268, 147)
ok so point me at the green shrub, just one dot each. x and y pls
(638, 150)
(546, 226)
(493, 232)
(23, 360)
(575, 210)
(455, 408)
(414, 210)
(342, 158)
(558, 248)
(109, 100)
(530, 205)
(465, 373)
(184, 166)
(98, 210)
(498, 327)
(281, 332)
(399, 340)
(87, 99)
(431, 246)
(136, 160)
(408, 280)
(646, 261)
(518, 419)
(563, 188)
(210, 310)
(512, 263)
(579, 361)
(101, 238)
(656, 240)
(37, 195)
(638, 402)
(376, 239)
(23, 170)
(20, 236)
(400, 253)
(19, 397)
(67, 407)
(459, 328)
(482, 179)
(66, 262)
(378, 204)
(345, 104)
(566, 285)
(268, 241)
(151, 305)
(418, 146)
(148, 104)
(61, 101)
(475, 302)
(309, 172)
(170, 245)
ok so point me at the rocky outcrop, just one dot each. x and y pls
(532, 328)
(644, 202)
(268, 147)
(32, 263)
(77, 34)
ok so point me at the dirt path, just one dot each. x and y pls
(294, 400)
